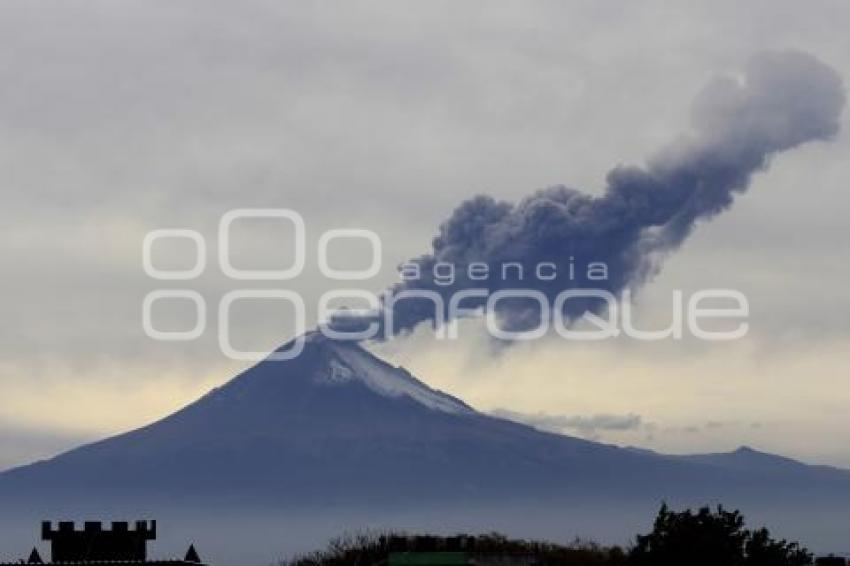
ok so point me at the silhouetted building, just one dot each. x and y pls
(94, 544)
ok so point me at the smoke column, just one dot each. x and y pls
(781, 100)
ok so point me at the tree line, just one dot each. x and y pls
(705, 537)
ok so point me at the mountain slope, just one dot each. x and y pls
(338, 425)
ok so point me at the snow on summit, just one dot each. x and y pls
(349, 362)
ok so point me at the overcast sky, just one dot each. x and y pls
(120, 117)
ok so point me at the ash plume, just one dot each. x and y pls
(781, 100)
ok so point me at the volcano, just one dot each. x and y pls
(334, 424)
(336, 427)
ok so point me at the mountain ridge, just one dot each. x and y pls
(339, 425)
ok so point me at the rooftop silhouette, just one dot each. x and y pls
(95, 544)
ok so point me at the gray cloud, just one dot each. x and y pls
(783, 99)
(588, 426)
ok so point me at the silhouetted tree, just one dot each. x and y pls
(712, 538)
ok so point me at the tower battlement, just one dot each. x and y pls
(146, 529)
(94, 542)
